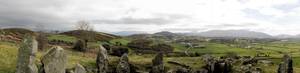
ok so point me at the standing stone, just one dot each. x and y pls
(54, 61)
(42, 40)
(123, 66)
(286, 66)
(102, 60)
(26, 56)
(80, 45)
(158, 66)
(79, 69)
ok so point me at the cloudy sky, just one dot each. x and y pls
(270, 16)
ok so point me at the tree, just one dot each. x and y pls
(84, 25)
(87, 29)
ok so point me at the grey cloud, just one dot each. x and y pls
(232, 25)
(28, 13)
(134, 21)
(185, 29)
(159, 19)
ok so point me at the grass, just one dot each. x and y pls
(8, 57)
(123, 41)
(65, 38)
(9, 50)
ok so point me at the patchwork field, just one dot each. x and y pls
(9, 51)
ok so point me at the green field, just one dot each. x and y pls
(8, 54)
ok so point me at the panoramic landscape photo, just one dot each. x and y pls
(149, 36)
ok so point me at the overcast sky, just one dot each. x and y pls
(270, 16)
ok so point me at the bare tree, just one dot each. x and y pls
(86, 29)
(84, 25)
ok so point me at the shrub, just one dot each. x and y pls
(80, 45)
(140, 44)
(162, 48)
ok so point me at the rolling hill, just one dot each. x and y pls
(234, 33)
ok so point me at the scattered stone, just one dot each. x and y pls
(158, 66)
(202, 71)
(79, 69)
(123, 66)
(69, 71)
(257, 70)
(54, 61)
(26, 56)
(287, 65)
(218, 66)
(183, 70)
(266, 62)
(222, 67)
(102, 60)
(207, 58)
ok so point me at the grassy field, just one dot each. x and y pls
(62, 38)
(9, 51)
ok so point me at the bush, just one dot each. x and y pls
(118, 50)
(148, 45)
(162, 48)
(140, 44)
(80, 45)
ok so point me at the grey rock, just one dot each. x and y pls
(183, 70)
(54, 61)
(202, 71)
(26, 56)
(266, 62)
(102, 60)
(287, 65)
(123, 66)
(158, 66)
(257, 70)
(79, 69)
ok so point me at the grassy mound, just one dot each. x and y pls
(15, 34)
(91, 35)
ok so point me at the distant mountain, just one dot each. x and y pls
(127, 33)
(165, 33)
(284, 36)
(234, 33)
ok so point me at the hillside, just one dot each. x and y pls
(234, 33)
(14, 34)
(92, 36)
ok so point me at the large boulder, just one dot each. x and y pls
(79, 69)
(102, 60)
(123, 66)
(54, 61)
(26, 56)
(286, 66)
(218, 66)
(157, 64)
